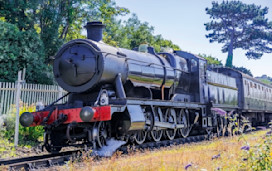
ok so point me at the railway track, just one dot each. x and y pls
(58, 159)
(39, 161)
(49, 160)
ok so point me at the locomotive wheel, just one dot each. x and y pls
(246, 128)
(102, 134)
(183, 118)
(50, 143)
(139, 137)
(126, 139)
(155, 133)
(149, 116)
(220, 126)
(170, 117)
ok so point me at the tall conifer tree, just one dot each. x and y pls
(239, 25)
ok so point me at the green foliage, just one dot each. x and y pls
(160, 42)
(27, 135)
(132, 33)
(211, 60)
(214, 61)
(6, 147)
(19, 12)
(239, 25)
(57, 21)
(265, 81)
(243, 70)
(259, 157)
(22, 49)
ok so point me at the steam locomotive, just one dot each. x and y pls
(140, 95)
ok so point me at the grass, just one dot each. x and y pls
(6, 149)
(219, 154)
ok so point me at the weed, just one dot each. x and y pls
(27, 135)
(259, 156)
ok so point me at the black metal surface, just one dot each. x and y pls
(253, 95)
(95, 30)
(78, 66)
(26, 119)
(164, 103)
(120, 92)
(86, 113)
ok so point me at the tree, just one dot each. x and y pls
(217, 63)
(161, 42)
(240, 25)
(243, 70)
(18, 12)
(265, 79)
(22, 49)
(132, 32)
(39, 28)
(57, 21)
(211, 60)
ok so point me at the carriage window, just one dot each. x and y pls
(193, 65)
(183, 66)
(251, 84)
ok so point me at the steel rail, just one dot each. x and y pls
(47, 160)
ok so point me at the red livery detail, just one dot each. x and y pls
(102, 113)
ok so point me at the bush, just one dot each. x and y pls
(27, 135)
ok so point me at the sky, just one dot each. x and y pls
(182, 22)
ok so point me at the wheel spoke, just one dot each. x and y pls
(140, 137)
(184, 119)
(102, 134)
(220, 126)
(171, 117)
(156, 134)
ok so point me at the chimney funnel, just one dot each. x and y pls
(95, 30)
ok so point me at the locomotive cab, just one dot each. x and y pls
(197, 75)
(180, 90)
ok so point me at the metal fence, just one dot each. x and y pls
(30, 94)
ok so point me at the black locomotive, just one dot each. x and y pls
(142, 95)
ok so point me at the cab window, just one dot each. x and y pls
(193, 65)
